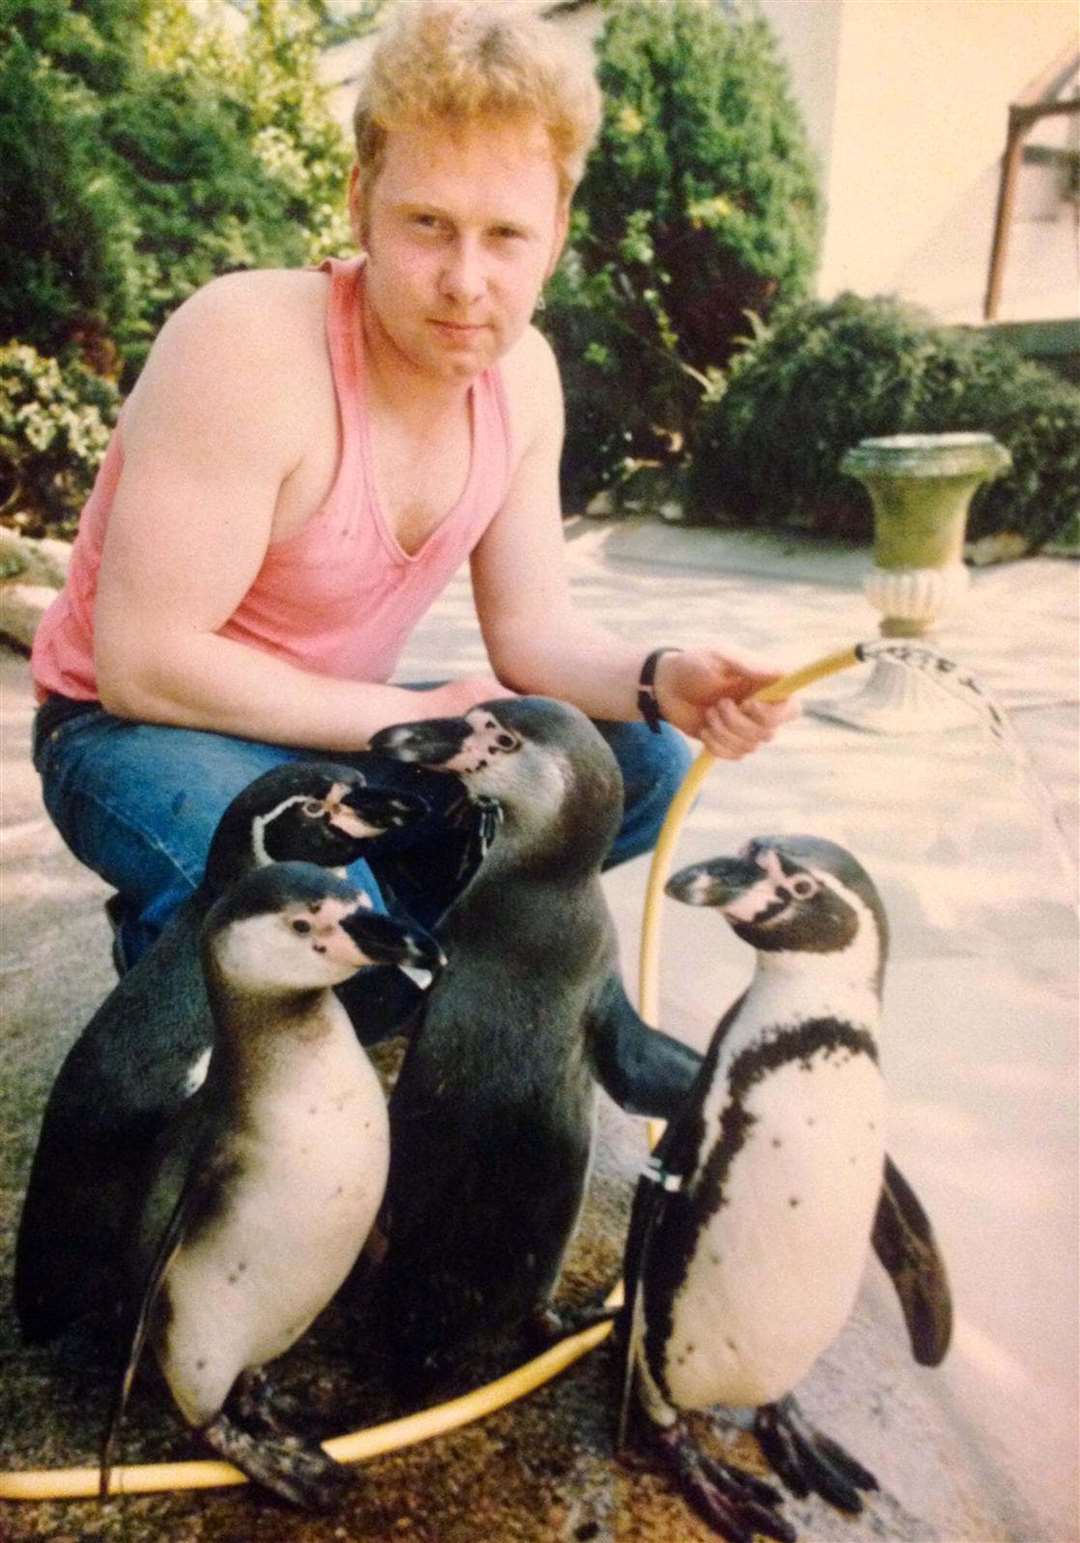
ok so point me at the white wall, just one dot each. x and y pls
(911, 145)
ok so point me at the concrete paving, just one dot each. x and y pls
(973, 850)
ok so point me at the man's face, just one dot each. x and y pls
(462, 226)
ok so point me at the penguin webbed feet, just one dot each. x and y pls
(292, 1467)
(806, 1460)
(547, 1325)
(736, 1504)
(261, 1410)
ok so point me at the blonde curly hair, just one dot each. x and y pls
(466, 59)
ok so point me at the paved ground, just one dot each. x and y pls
(974, 857)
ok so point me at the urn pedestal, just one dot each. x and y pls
(921, 486)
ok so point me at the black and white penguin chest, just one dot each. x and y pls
(302, 1174)
(763, 1249)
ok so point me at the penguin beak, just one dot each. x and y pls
(382, 940)
(432, 742)
(718, 882)
(381, 809)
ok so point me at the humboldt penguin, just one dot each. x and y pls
(492, 1117)
(751, 1224)
(264, 1186)
(146, 1048)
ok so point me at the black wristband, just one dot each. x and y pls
(646, 695)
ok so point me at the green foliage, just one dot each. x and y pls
(67, 263)
(54, 428)
(700, 201)
(825, 375)
(270, 73)
(142, 152)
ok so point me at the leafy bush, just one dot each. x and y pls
(67, 261)
(825, 375)
(146, 151)
(700, 201)
(54, 429)
(270, 72)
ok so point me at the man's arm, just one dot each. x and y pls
(214, 431)
(538, 642)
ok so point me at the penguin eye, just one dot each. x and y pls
(301, 926)
(802, 888)
(313, 806)
(505, 741)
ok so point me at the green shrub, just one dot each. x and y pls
(55, 423)
(145, 149)
(825, 375)
(203, 202)
(269, 72)
(67, 262)
(700, 201)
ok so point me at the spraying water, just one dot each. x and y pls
(951, 678)
(961, 685)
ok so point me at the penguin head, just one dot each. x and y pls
(304, 811)
(294, 927)
(791, 894)
(544, 762)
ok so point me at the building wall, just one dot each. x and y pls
(912, 146)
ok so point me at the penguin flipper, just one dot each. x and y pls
(904, 1241)
(170, 1245)
(184, 1170)
(644, 1070)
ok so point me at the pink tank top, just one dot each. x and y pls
(340, 596)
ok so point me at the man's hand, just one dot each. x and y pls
(706, 693)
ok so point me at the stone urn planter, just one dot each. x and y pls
(921, 486)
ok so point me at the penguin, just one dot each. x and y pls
(493, 1111)
(492, 1116)
(146, 1048)
(750, 1227)
(265, 1184)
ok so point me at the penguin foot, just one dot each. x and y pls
(807, 1460)
(547, 1325)
(298, 1471)
(735, 1503)
(261, 1411)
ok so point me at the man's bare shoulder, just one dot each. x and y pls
(255, 337)
(533, 388)
(267, 310)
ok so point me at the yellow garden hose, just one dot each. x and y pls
(143, 1478)
(649, 962)
(82, 1483)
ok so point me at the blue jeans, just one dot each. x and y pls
(138, 803)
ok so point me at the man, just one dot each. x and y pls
(306, 459)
